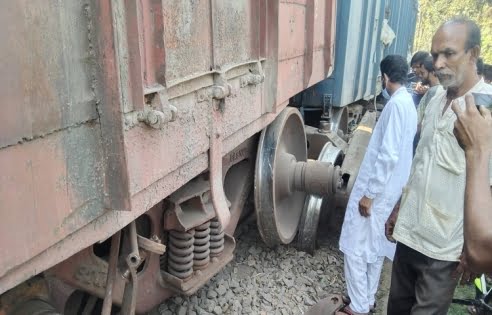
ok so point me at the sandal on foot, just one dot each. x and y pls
(372, 309)
(346, 299)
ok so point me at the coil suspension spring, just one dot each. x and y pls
(202, 246)
(216, 238)
(180, 254)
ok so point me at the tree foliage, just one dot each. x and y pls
(432, 13)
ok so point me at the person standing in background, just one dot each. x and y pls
(417, 89)
(487, 73)
(429, 78)
(382, 175)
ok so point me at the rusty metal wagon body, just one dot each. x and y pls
(126, 109)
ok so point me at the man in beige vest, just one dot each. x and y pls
(429, 221)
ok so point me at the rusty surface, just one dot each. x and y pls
(112, 265)
(81, 73)
(308, 227)
(188, 207)
(132, 262)
(50, 161)
(305, 48)
(317, 139)
(60, 292)
(45, 83)
(244, 151)
(35, 306)
(215, 161)
(14, 300)
(153, 245)
(238, 171)
(237, 185)
(87, 271)
(116, 182)
(46, 193)
(132, 84)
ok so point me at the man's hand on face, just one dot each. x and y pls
(473, 128)
(421, 89)
(365, 206)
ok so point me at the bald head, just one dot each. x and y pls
(455, 50)
(473, 35)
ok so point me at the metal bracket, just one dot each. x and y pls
(219, 91)
(195, 198)
(219, 199)
(157, 111)
(153, 245)
(256, 76)
(327, 104)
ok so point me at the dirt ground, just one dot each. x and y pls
(384, 285)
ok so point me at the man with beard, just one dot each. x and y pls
(429, 222)
(428, 76)
(419, 89)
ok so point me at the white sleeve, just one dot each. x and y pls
(388, 154)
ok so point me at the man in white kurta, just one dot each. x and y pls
(383, 173)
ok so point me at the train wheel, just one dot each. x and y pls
(308, 227)
(278, 214)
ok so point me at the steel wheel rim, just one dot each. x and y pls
(278, 220)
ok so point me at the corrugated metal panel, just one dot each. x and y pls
(357, 53)
(359, 49)
(402, 17)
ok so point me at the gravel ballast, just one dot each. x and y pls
(262, 280)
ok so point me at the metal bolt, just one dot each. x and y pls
(152, 117)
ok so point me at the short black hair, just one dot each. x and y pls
(428, 64)
(418, 58)
(474, 35)
(480, 66)
(395, 67)
(487, 72)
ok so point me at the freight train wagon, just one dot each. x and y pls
(129, 133)
(361, 44)
(133, 132)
